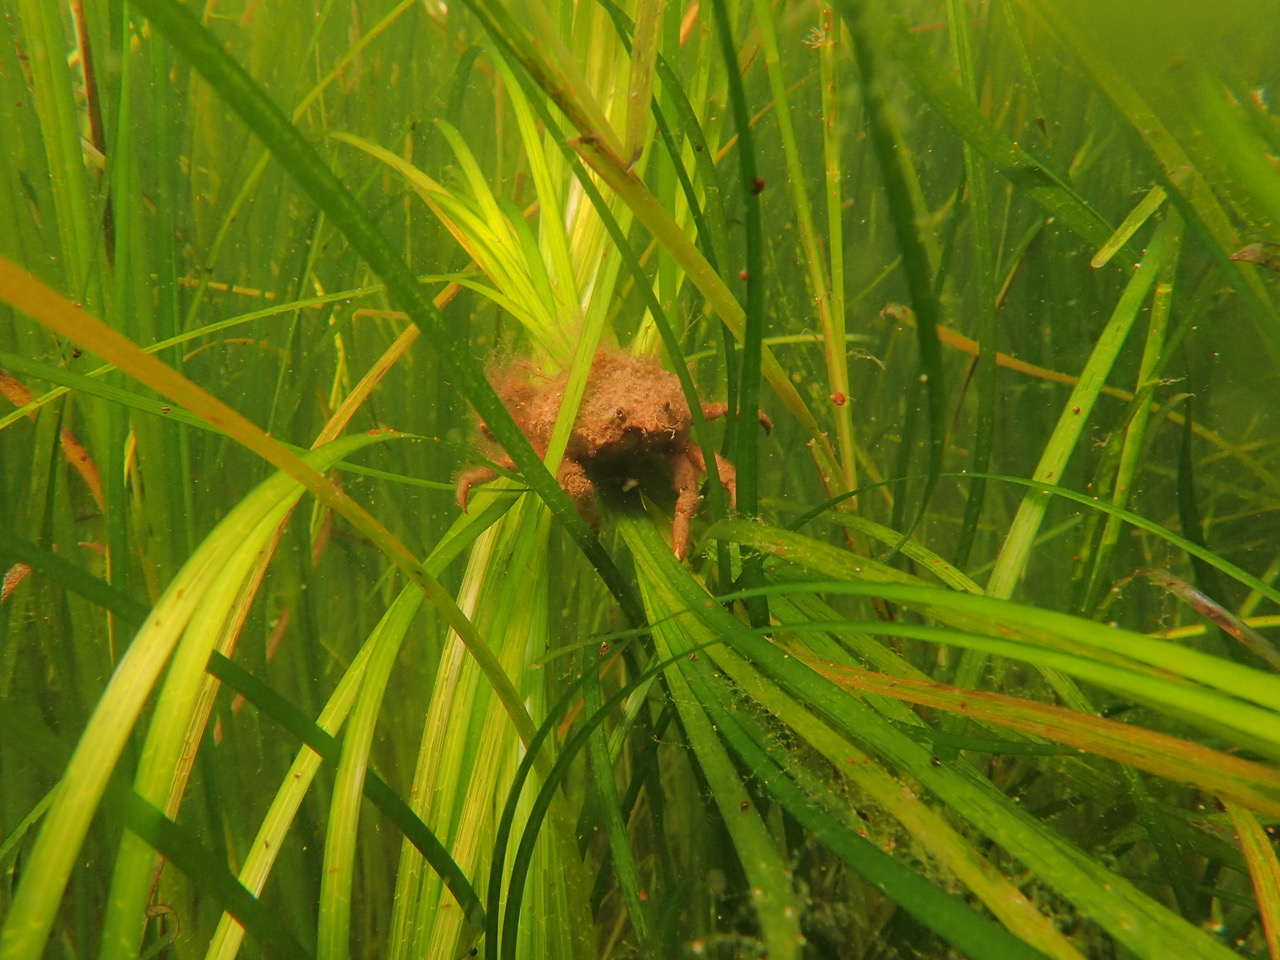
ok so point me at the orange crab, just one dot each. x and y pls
(632, 409)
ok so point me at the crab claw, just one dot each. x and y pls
(472, 478)
(711, 411)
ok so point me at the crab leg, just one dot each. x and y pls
(684, 477)
(472, 478)
(575, 482)
(476, 476)
(710, 411)
(728, 475)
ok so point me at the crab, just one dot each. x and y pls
(632, 411)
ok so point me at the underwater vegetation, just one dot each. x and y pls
(605, 480)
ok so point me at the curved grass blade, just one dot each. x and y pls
(1264, 869)
(1015, 551)
(772, 893)
(235, 543)
(937, 85)
(672, 590)
(1036, 630)
(1253, 785)
(297, 156)
(502, 942)
(944, 913)
(892, 157)
(43, 749)
(1132, 918)
(1142, 523)
(333, 933)
(54, 311)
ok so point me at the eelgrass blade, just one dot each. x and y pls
(328, 192)
(819, 807)
(72, 210)
(1129, 916)
(979, 218)
(333, 932)
(672, 589)
(51, 565)
(747, 451)
(893, 158)
(500, 941)
(772, 895)
(1251, 784)
(1190, 547)
(1015, 552)
(621, 855)
(237, 540)
(44, 750)
(1264, 869)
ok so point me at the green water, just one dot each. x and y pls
(997, 672)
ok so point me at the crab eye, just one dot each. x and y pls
(619, 414)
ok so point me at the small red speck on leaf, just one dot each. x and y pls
(746, 805)
(757, 184)
(742, 275)
(838, 399)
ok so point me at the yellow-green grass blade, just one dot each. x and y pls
(1264, 869)
(54, 311)
(551, 196)
(772, 895)
(333, 933)
(1132, 918)
(486, 234)
(716, 709)
(1066, 437)
(1140, 214)
(284, 807)
(1242, 687)
(323, 186)
(227, 938)
(1251, 784)
(936, 84)
(1130, 456)
(181, 849)
(468, 752)
(945, 845)
(237, 539)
